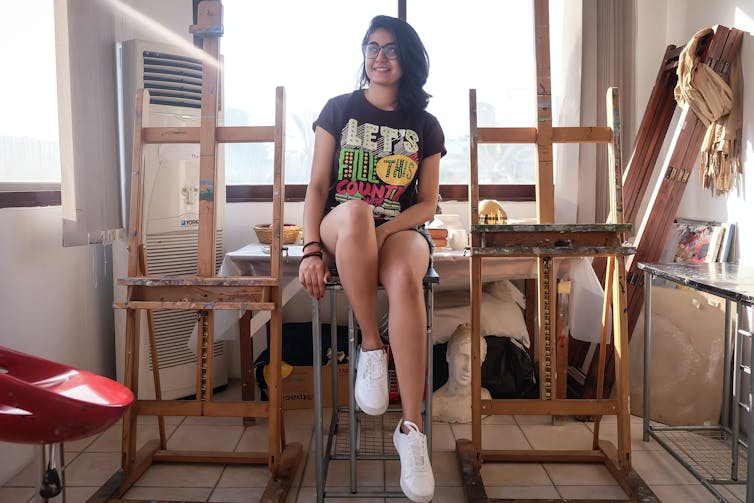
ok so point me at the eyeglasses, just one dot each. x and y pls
(372, 49)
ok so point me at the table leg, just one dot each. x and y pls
(248, 381)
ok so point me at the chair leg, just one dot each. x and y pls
(317, 371)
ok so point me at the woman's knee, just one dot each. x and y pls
(401, 280)
(350, 219)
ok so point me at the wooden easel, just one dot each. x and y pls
(548, 242)
(204, 292)
(718, 51)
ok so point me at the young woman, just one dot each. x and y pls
(374, 182)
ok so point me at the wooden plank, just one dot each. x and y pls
(209, 16)
(545, 181)
(131, 381)
(561, 347)
(194, 306)
(476, 360)
(506, 135)
(246, 354)
(555, 407)
(582, 134)
(560, 252)
(189, 281)
(630, 481)
(236, 409)
(224, 134)
(543, 456)
(277, 487)
(167, 407)
(136, 210)
(468, 461)
(552, 228)
(201, 294)
(228, 458)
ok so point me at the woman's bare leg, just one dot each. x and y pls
(403, 263)
(348, 232)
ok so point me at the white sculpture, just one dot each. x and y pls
(452, 402)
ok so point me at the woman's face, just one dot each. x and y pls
(381, 59)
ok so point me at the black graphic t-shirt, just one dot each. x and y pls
(378, 153)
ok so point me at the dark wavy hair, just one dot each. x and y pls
(413, 59)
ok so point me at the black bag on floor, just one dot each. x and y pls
(508, 371)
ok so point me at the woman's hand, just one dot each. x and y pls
(313, 274)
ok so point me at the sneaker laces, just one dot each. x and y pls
(417, 447)
(372, 366)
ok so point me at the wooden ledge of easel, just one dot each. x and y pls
(199, 408)
(222, 281)
(227, 134)
(587, 134)
(556, 407)
(552, 228)
(553, 252)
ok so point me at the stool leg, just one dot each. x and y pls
(429, 299)
(352, 351)
(335, 402)
(317, 371)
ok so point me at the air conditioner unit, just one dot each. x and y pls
(170, 209)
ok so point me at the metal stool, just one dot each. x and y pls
(361, 443)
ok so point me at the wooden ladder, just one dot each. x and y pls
(204, 292)
(547, 242)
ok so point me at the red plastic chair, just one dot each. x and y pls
(44, 402)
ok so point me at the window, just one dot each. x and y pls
(475, 49)
(315, 54)
(29, 149)
(488, 46)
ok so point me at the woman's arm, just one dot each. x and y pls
(427, 191)
(313, 272)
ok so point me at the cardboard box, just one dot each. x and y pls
(298, 388)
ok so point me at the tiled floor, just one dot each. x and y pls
(92, 461)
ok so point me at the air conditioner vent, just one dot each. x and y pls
(173, 80)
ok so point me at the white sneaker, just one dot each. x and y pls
(371, 391)
(417, 479)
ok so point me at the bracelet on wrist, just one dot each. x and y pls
(312, 254)
(311, 243)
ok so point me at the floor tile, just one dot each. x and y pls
(522, 492)
(112, 439)
(19, 494)
(609, 432)
(370, 474)
(495, 436)
(660, 468)
(235, 476)
(92, 469)
(180, 475)
(169, 493)
(236, 494)
(579, 474)
(562, 436)
(602, 492)
(206, 438)
(498, 419)
(442, 437)
(689, 493)
(514, 474)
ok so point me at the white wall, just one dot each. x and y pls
(56, 302)
(674, 22)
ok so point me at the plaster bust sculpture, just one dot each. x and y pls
(452, 402)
